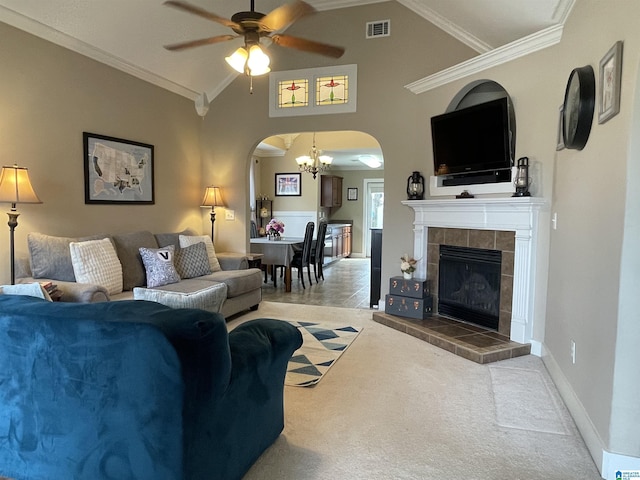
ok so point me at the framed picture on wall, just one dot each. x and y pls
(610, 75)
(352, 194)
(117, 171)
(288, 185)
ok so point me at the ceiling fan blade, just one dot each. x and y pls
(307, 45)
(285, 15)
(198, 43)
(187, 7)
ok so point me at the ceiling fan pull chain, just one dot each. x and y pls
(251, 79)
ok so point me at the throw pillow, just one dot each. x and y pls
(192, 261)
(186, 240)
(96, 262)
(158, 263)
(49, 256)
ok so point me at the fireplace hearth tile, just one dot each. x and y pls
(465, 340)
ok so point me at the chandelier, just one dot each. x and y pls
(314, 162)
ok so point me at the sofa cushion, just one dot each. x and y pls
(186, 240)
(192, 261)
(128, 248)
(165, 239)
(158, 263)
(96, 262)
(49, 256)
(238, 281)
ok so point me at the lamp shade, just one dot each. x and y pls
(15, 186)
(213, 198)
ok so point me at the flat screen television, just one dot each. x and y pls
(473, 139)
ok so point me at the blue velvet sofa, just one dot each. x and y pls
(136, 390)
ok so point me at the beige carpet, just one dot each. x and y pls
(395, 407)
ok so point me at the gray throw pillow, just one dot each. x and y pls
(49, 256)
(192, 261)
(158, 263)
(128, 248)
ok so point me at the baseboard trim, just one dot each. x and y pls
(607, 463)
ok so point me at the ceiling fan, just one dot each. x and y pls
(253, 26)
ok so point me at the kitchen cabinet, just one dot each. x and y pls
(330, 191)
(337, 242)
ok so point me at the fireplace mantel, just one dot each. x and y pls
(522, 215)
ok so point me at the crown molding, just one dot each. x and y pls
(52, 35)
(444, 24)
(529, 44)
(321, 5)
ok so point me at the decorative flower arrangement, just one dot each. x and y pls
(275, 227)
(407, 264)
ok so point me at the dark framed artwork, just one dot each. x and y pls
(352, 194)
(117, 171)
(288, 185)
(610, 75)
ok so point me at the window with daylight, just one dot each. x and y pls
(332, 90)
(313, 91)
(293, 93)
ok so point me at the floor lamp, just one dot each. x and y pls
(213, 198)
(15, 187)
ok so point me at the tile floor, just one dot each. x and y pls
(346, 284)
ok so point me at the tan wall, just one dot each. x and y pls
(49, 97)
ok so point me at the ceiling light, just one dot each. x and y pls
(253, 62)
(314, 162)
(370, 161)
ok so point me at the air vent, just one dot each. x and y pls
(380, 28)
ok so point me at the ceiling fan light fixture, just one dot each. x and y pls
(238, 59)
(258, 62)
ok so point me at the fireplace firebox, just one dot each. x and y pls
(469, 284)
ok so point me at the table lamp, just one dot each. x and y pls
(15, 187)
(213, 198)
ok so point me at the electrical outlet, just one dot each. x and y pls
(573, 352)
(230, 215)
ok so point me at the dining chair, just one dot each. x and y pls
(254, 230)
(317, 251)
(302, 258)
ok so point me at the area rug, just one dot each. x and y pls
(322, 346)
(524, 401)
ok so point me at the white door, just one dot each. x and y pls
(373, 208)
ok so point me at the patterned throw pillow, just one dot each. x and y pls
(158, 263)
(192, 261)
(186, 240)
(96, 262)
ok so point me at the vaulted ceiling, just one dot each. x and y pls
(130, 34)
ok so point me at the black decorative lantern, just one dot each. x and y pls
(521, 181)
(415, 186)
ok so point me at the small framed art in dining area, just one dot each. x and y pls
(288, 185)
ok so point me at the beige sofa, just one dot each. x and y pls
(50, 260)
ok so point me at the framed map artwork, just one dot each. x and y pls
(117, 171)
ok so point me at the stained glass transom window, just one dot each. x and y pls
(332, 90)
(293, 93)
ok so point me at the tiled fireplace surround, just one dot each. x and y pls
(511, 225)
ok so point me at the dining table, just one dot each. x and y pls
(277, 252)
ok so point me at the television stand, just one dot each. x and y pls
(474, 178)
